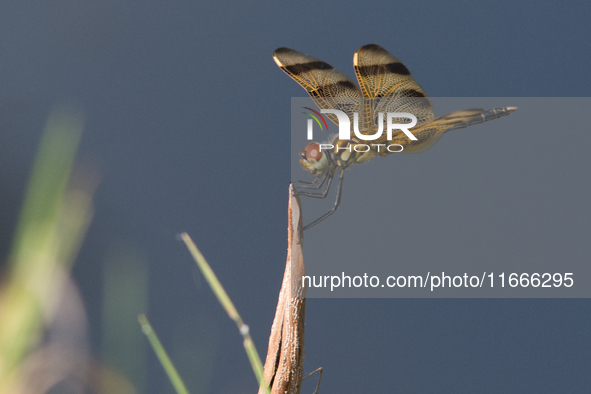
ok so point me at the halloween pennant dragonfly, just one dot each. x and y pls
(385, 85)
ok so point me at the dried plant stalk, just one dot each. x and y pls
(285, 355)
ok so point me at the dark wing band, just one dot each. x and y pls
(328, 87)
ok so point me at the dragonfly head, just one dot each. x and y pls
(313, 159)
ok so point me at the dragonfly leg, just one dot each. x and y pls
(319, 370)
(336, 203)
(317, 194)
(316, 184)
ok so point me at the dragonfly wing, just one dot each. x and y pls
(388, 86)
(328, 87)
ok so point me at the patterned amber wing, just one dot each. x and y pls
(388, 86)
(328, 87)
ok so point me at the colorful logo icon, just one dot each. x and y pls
(315, 115)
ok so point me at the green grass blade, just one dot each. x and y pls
(168, 366)
(52, 224)
(227, 304)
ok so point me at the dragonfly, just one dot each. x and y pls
(384, 85)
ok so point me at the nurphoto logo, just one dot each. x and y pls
(345, 125)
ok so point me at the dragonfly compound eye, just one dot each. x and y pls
(313, 151)
(313, 159)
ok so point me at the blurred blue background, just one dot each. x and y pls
(187, 121)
